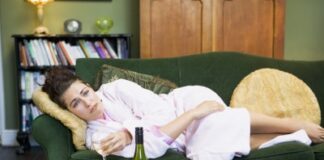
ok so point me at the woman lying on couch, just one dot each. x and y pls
(191, 119)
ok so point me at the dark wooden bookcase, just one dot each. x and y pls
(23, 48)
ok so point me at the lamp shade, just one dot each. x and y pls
(39, 2)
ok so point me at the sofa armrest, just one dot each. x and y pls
(54, 138)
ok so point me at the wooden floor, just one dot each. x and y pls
(9, 153)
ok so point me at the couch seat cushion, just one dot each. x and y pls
(88, 154)
(319, 151)
(282, 151)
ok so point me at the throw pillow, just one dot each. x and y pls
(277, 93)
(108, 73)
(68, 119)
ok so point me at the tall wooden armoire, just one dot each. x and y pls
(170, 28)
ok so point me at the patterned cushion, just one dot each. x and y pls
(108, 73)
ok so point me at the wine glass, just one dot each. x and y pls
(96, 143)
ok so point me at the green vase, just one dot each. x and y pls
(104, 24)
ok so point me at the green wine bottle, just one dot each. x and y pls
(139, 150)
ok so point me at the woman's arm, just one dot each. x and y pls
(177, 126)
(119, 140)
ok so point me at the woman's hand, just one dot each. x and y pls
(116, 141)
(205, 108)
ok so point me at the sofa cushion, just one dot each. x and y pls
(87, 154)
(282, 151)
(318, 150)
(108, 73)
(277, 93)
(74, 123)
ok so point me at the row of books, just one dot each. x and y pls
(42, 52)
(29, 82)
(29, 112)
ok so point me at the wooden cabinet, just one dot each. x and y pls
(172, 28)
(175, 27)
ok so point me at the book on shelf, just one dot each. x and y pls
(103, 48)
(23, 84)
(67, 55)
(24, 52)
(88, 49)
(122, 48)
(47, 52)
(53, 53)
(29, 113)
(103, 53)
(24, 118)
(61, 55)
(110, 49)
(74, 51)
(43, 53)
(30, 53)
(29, 82)
(23, 56)
(39, 53)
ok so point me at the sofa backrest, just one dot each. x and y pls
(220, 71)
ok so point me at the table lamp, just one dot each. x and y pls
(41, 29)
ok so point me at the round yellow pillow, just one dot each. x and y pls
(276, 93)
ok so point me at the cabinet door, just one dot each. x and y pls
(252, 26)
(172, 28)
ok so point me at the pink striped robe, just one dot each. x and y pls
(220, 135)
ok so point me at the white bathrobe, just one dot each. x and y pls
(219, 136)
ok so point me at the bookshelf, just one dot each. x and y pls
(36, 54)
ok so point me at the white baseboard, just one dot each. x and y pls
(8, 138)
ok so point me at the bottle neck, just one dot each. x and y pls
(139, 150)
(139, 136)
(139, 139)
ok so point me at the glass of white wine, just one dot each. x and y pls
(97, 137)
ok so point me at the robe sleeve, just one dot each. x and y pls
(149, 110)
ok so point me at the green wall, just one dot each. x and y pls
(19, 17)
(304, 33)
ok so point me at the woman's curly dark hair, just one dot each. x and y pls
(57, 81)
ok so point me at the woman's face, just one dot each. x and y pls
(81, 100)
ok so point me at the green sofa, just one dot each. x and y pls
(218, 71)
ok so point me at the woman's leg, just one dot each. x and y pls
(263, 124)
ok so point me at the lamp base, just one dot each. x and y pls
(41, 30)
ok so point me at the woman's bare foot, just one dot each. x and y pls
(314, 131)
